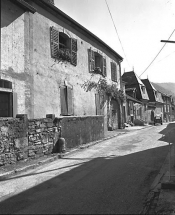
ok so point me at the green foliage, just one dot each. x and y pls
(103, 87)
(97, 70)
(64, 55)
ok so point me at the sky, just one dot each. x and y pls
(141, 25)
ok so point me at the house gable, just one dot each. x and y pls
(150, 90)
(132, 80)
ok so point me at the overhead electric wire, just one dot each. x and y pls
(116, 32)
(156, 55)
(165, 57)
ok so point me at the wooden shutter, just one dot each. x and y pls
(70, 100)
(63, 100)
(91, 60)
(97, 103)
(54, 42)
(104, 67)
(113, 72)
(74, 51)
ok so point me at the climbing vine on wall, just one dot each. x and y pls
(101, 86)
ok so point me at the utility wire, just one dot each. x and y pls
(166, 57)
(157, 54)
(117, 32)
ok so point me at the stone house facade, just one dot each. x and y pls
(46, 57)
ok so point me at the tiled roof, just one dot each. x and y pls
(131, 78)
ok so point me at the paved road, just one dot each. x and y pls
(112, 177)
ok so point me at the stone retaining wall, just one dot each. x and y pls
(41, 137)
(21, 138)
(13, 140)
(80, 130)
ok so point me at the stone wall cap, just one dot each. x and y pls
(85, 116)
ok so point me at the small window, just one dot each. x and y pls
(165, 108)
(66, 97)
(63, 47)
(155, 93)
(168, 108)
(143, 89)
(113, 71)
(97, 63)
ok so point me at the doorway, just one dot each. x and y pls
(5, 104)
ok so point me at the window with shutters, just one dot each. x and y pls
(113, 71)
(97, 63)
(66, 97)
(63, 47)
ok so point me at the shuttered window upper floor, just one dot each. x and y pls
(63, 47)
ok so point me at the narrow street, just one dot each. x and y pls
(112, 177)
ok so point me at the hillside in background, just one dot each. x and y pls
(167, 88)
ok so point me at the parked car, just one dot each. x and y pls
(158, 119)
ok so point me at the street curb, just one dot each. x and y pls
(155, 188)
(59, 155)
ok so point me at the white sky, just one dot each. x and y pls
(141, 24)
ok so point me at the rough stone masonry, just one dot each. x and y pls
(21, 138)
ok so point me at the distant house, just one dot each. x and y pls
(155, 103)
(46, 56)
(130, 105)
(136, 89)
(173, 109)
(167, 108)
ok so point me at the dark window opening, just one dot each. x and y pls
(143, 89)
(98, 60)
(6, 104)
(64, 41)
(97, 63)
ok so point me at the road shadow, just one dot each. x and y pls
(6, 178)
(103, 185)
(168, 133)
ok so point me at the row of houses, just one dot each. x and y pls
(143, 101)
(46, 58)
